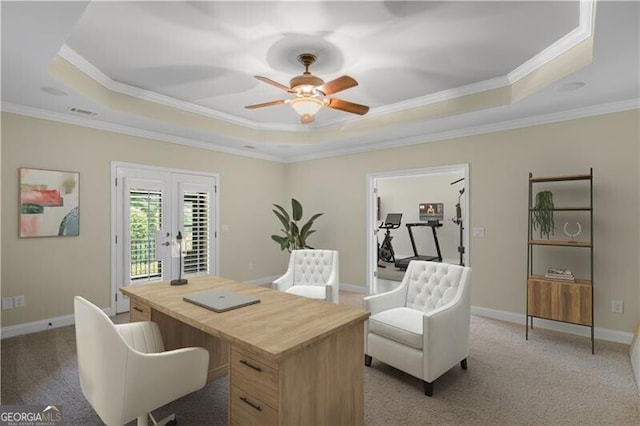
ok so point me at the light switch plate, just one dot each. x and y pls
(7, 303)
(478, 232)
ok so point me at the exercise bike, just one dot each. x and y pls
(385, 250)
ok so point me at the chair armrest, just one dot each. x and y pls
(446, 335)
(383, 301)
(284, 282)
(333, 287)
(154, 380)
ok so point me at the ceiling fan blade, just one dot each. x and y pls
(265, 104)
(347, 106)
(274, 83)
(338, 85)
(307, 118)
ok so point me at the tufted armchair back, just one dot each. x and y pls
(422, 326)
(312, 273)
(431, 285)
(312, 267)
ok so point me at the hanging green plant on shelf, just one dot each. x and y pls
(542, 214)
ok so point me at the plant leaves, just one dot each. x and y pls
(283, 219)
(296, 209)
(304, 231)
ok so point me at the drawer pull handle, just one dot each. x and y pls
(137, 309)
(248, 364)
(246, 401)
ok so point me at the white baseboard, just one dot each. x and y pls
(600, 333)
(45, 324)
(353, 288)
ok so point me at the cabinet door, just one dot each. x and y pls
(540, 299)
(574, 303)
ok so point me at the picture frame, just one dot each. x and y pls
(49, 203)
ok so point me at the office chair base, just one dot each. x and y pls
(170, 420)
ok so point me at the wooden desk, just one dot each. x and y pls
(291, 360)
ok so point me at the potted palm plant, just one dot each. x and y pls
(294, 236)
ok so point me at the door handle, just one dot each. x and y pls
(166, 243)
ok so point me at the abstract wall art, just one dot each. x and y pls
(49, 203)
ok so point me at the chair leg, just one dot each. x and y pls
(428, 388)
(367, 360)
(463, 364)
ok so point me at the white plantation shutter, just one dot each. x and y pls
(196, 219)
(196, 231)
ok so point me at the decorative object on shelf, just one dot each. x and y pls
(569, 234)
(558, 274)
(295, 236)
(179, 252)
(49, 203)
(542, 217)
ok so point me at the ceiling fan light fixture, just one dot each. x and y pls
(305, 105)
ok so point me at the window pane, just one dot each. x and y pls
(145, 218)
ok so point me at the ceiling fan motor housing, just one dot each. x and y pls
(306, 78)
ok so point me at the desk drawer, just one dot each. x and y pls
(139, 312)
(249, 374)
(247, 410)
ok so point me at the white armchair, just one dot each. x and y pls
(422, 327)
(125, 372)
(313, 274)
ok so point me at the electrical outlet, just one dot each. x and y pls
(18, 301)
(7, 303)
(617, 306)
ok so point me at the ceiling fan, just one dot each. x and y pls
(310, 93)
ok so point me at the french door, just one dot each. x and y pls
(165, 227)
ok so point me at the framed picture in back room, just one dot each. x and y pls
(49, 203)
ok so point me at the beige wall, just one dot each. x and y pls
(499, 167)
(50, 271)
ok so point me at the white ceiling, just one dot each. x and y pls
(200, 58)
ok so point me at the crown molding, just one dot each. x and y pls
(573, 114)
(583, 31)
(130, 131)
(538, 120)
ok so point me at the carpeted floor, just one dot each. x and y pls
(389, 272)
(551, 379)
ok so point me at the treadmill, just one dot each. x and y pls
(434, 224)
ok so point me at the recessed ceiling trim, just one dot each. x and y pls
(75, 59)
(573, 38)
(583, 31)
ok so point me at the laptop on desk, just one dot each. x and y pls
(221, 300)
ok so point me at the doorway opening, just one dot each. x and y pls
(442, 235)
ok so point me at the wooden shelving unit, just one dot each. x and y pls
(570, 302)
